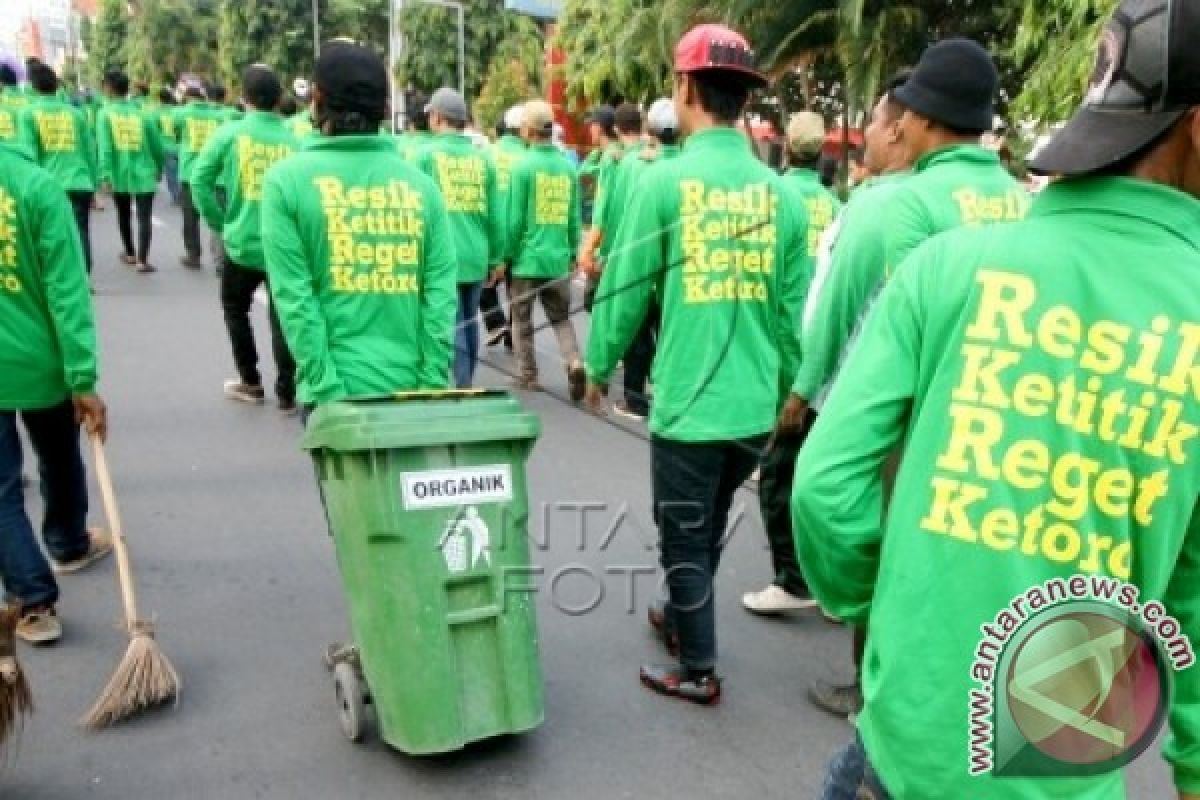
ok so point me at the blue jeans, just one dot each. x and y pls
(694, 486)
(171, 170)
(851, 777)
(466, 336)
(54, 434)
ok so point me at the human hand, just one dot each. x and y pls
(92, 414)
(791, 419)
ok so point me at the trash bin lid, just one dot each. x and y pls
(419, 419)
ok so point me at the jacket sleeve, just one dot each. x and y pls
(795, 280)
(293, 291)
(68, 295)
(906, 226)
(518, 211)
(575, 223)
(837, 495)
(87, 138)
(104, 147)
(439, 297)
(1182, 602)
(846, 278)
(639, 263)
(496, 214)
(154, 142)
(207, 167)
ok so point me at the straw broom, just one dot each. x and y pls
(16, 701)
(144, 678)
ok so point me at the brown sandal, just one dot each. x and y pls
(127, 260)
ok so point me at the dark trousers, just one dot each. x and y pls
(238, 285)
(775, 501)
(191, 224)
(638, 360)
(81, 204)
(144, 204)
(54, 435)
(489, 304)
(171, 172)
(694, 485)
(851, 776)
(466, 335)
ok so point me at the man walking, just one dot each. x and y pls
(543, 236)
(358, 249)
(507, 152)
(1084, 299)
(466, 177)
(131, 164)
(714, 236)
(195, 123)
(241, 153)
(48, 360)
(58, 137)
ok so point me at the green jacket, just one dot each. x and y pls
(10, 114)
(301, 124)
(821, 204)
(411, 143)
(956, 186)
(466, 177)
(1046, 378)
(165, 115)
(612, 194)
(195, 123)
(507, 152)
(240, 153)
(543, 215)
(361, 268)
(58, 136)
(605, 174)
(47, 334)
(130, 148)
(713, 235)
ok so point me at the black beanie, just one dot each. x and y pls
(954, 85)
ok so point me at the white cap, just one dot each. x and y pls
(513, 118)
(661, 116)
(300, 87)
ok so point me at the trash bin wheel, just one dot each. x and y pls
(352, 711)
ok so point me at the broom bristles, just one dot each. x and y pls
(144, 679)
(16, 699)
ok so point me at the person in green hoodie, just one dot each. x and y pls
(9, 111)
(466, 176)
(606, 213)
(1044, 376)
(507, 152)
(662, 124)
(358, 247)
(787, 591)
(195, 123)
(131, 163)
(48, 360)
(543, 235)
(299, 119)
(58, 136)
(417, 137)
(164, 113)
(242, 152)
(714, 236)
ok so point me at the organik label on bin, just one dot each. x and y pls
(457, 487)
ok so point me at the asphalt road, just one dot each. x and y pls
(234, 564)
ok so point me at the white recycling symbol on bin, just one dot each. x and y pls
(466, 542)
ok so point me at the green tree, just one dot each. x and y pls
(275, 32)
(106, 42)
(430, 55)
(508, 83)
(1056, 43)
(169, 37)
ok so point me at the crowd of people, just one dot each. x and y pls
(950, 391)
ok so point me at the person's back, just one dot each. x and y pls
(130, 148)
(543, 214)
(375, 250)
(57, 134)
(195, 123)
(47, 338)
(820, 204)
(721, 221)
(466, 178)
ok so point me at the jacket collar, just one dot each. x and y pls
(1128, 198)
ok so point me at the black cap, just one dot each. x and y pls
(628, 118)
(954, 84)
(352, 79)
(1146, 78)
(604, 116)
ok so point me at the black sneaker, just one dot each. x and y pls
(673, 680)
(244, 393)
(840, 700)
(288, 408)
(623, 409)
(191, 263)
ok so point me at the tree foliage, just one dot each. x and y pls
(1056, 41)
(106, 40)
(508, 83)
(430, 56)
(170, 37)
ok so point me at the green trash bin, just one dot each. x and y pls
(428, 508)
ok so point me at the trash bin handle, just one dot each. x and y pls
(473, 615)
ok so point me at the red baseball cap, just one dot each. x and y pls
(716, 47)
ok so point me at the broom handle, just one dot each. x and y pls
(124, 570)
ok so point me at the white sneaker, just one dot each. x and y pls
(775, 600)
